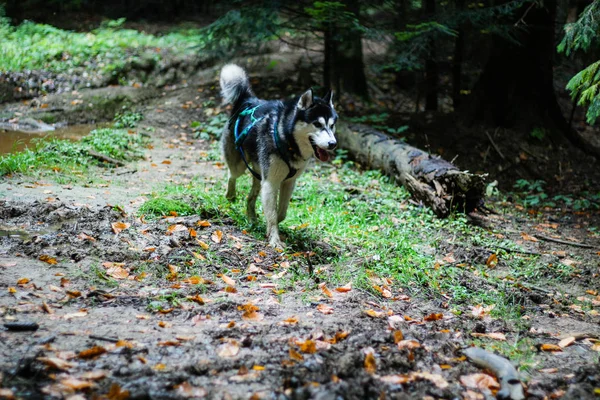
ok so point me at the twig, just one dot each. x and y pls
(494, 145)
(510, 384)
(104, 338)
(105, 158)
(551, 239)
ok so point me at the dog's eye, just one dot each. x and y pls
(317, 124)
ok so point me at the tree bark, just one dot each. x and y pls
(431, 180)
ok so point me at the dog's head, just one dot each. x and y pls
(319, 118)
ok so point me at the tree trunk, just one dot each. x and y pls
(431, 180)
(457, 59)
(349, 63)
(516, 87)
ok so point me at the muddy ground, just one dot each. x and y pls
(200, 334)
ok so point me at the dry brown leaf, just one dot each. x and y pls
(217, 236)
(47, 308)
(566, 342)
(492, 261)
(118, 227)
(85, 236)
(596, 346)
(23, 281)
(47, 259)
(436, 379)
(374, 314)
(92, 352)
(528, 238)
(116, 393)
(290, 321)
(492, 335)
(252, 316)
(294, 355)
(370, 363)
(325, 290)
(56, 363)
(397, 379)
(76, 384)
(188, 391)
(7, 394)
(433, 317)
(480, 311)
(165, 324)
(550, 347)
(228, 349)
(398, 336)
(228, 280)
(196, 299)
(480, 381)
(345, 288)
(117, 272)
(77, 314)
(325, 309)
(124, 343)
(408, 344)
(308, 346)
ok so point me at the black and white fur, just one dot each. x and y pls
(306, 127)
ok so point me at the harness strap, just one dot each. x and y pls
(240, 137)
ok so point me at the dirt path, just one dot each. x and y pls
(221, 325)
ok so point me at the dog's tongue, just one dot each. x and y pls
(322, 155)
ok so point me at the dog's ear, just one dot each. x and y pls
(329, 98)
(306, 100)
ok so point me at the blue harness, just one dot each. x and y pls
(240, 137)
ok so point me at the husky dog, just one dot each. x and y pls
(274, 140)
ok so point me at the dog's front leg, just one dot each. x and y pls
(285, 194)
(269, 200)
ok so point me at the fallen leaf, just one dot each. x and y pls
(550, 347)
(118, 227)
(324, 309)
(77, 314)
(433, 317)
(186, 390)
(325, 290)
(492, 261)
(436, 379)
(228, 349)
(480, 381)
(228, 280)
(84, 236)
(252, 316)
(345, 288)
(308, 346)
(370, 363)
(165, 324)
(408, 344)
(7, 394)
(176, 228)
(492, 335)
(23, 281)
(92, 352)
(290, 321)
(374, 314)
(76, 384)
(56, 363)
(47, 259)
(294, 355)
(397, 379)
(217, 236)
(117, 272)
(566, 342)
(528, 238)
(116, 393)
(398, 336)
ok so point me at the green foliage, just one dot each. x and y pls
(538, 133)
(533, 194)
(581, 36)
(40, 46)
(161, 206)
(71, 158)
(127, 119)
(210, 130)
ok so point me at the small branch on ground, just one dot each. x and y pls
(568, 243)
(105, 158)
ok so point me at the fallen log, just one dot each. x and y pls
(431, 180)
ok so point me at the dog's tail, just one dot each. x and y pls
(235, 85)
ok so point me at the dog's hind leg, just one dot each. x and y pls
(269, 201)
(251, 204)
(285, 194)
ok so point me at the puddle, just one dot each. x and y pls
(13, 141)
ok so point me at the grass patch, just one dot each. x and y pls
(72, 159)
(160, 207)
(375, 238)
(39, 46)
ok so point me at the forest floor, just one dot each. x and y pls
(139, 280)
